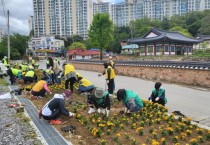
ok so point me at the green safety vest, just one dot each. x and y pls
(99, 101)
(31, 67)
(49, 71)
(30, 74)
(130, 95)
(33, 61)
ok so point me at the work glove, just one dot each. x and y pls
(71, 114)
(103, 111)
(107, 112)
(99, 110)
(107, 81)
(157, 99)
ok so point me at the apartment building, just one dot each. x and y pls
(101, 7)
(62, 17)
(69, 17)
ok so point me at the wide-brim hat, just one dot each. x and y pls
(110, 57)
(5, 57)
(99, 92)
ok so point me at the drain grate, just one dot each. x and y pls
(51, 136)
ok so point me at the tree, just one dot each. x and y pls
(165, 23)
(101, 31)
(205, 27)
(181, 30)
(77, 45)
(18, 45)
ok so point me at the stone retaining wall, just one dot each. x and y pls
(171, 75)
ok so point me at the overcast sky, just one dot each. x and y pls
(20, 10)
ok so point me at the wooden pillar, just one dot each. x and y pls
(163, 49)
(182, 50)
(187, 49)
(155, 49)
(175, 49)
(169, 48)
(145, 49)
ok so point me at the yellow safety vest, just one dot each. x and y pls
(69, 68)
(39, 85)
(24, 67)
(49, 71)
(30, 67)
(33, 61)
(85, 82)
(15, 71)
(30, 74)
(112, 73)
(5, 62)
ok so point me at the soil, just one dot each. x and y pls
(83, 135)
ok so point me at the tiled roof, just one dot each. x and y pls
(163, 35)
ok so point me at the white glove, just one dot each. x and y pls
(125, 109)
(71, 114)
(103, 111)
(107, 112)
(99, 110)
(128, 111)
(157, 99)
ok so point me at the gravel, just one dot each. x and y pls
(15, 128)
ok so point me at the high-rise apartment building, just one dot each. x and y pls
(68, 17)
(101, 7)
(62, 17)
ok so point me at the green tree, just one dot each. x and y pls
(181, 30)
(77, 45)
(101, 32)
(165, 23)
(205, 27)
(18, 45)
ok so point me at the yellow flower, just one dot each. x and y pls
(200, 137)
(118, 135)
(162, 140)
(102, 141)
(193, 140)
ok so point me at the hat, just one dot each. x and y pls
(5, 57)
(110, 57)
(67, 93)
(99, 92)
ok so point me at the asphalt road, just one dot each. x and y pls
(193, 102)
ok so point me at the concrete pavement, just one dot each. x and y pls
(193, 102)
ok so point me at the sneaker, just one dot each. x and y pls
(55, 122)
(91, 110)
(40, 114)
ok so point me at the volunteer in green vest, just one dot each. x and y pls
(30, 76)
(130, 99)
(13, 73)
(47, 63)
(158, 94)
(5, 61)
(109, 76)
(101, 101)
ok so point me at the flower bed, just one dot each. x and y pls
(151, 126)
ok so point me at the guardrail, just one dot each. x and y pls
(167, 64)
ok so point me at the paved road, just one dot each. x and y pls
(193, 102)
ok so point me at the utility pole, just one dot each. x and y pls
(8, 37)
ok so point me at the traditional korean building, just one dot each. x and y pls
(161, 42)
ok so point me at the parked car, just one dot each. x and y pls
(3, 69)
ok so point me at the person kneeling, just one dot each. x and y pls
(130, 99)
(40, 89)
(101, 101)
(30, 76)
(158, 94)
(54, 108)
(85, 85)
